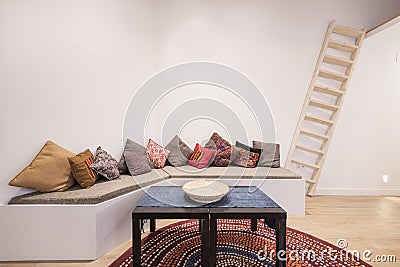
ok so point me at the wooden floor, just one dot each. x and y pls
(367, 223)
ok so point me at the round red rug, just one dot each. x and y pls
(179, 244)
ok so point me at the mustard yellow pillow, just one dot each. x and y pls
(49, 171)
(80, 166)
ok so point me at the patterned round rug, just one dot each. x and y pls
(179, 244)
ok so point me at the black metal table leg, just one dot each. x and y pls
(213, 242)
(136, 245)
(280, 232)
(253, 225)
(152, 225)
(200, 225)
(205, 242)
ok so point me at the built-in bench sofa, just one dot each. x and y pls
(85, 224)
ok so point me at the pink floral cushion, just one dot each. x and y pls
(201, 157)
(156, 154)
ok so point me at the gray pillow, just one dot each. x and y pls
(270, 155)
(131, 147)
(180, 152)
(137, 163)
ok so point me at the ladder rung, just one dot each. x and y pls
(318, 120)
(310, 166)
(319, 104)
(342, 46)
(331, 78)
(314, 135)
(332, 75)
(310, 181)
(337, 61)
(339, 29)
(314, 151)
(327, 90)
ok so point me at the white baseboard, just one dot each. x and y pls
(357, 192)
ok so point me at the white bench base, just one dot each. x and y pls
(65, 232)
(87, 232)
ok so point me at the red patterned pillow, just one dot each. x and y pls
(217, 142)
(223, 147)
(201, 157)
(156, 154)
(244, 157)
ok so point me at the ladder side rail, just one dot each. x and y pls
(308, 96)
(316, 175)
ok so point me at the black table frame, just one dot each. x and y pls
(153, 213)
(274, 217)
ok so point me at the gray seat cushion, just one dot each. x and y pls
(103, 190)
(231, 172)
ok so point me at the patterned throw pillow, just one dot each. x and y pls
(201, 157)
(105, 165)
(156, 154)
(252, 156)
(222, 144)
(223, 150)
(80, 166)
(244, 158)
(217, 142)
(222, 157)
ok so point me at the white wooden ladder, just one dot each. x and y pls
(323, 102)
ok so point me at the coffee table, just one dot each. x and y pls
(167, 202)
(239, 203)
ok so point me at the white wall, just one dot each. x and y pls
(366, 144)
(276, 43)
(60, 61)
(68, 70)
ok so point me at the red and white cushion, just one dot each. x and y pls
(156, 154)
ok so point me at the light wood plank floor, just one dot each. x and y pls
(367, 223)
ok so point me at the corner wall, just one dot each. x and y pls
(68, 70)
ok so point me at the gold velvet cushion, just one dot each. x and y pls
(49, 171)
(80, 166)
